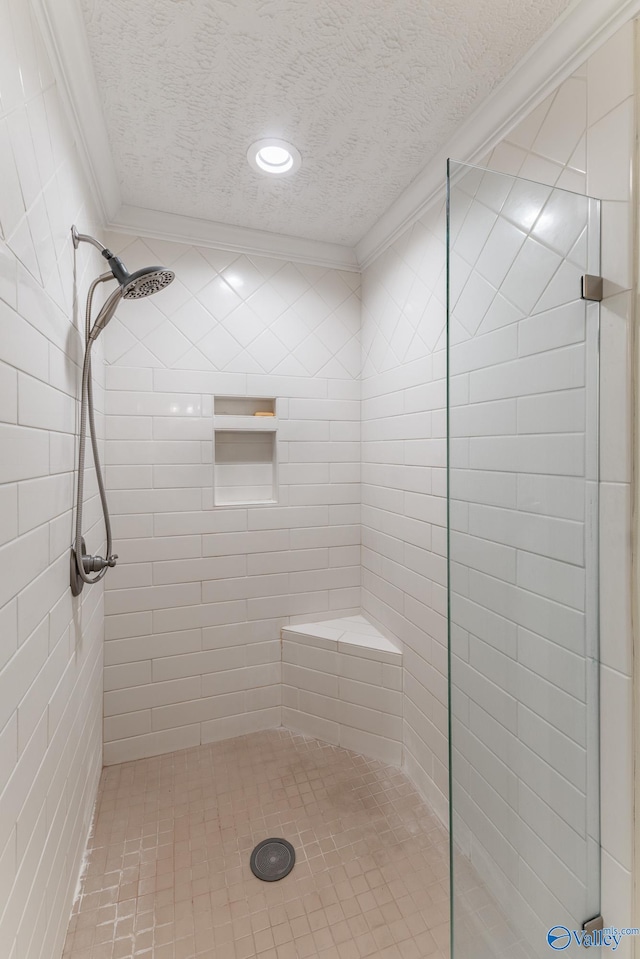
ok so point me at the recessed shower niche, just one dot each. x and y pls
(245, 469)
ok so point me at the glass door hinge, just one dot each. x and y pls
(591, 929)
(591, 287)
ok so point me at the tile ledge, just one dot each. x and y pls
(356, 631)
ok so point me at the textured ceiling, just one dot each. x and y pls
(368, 90)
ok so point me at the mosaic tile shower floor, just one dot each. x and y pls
(168, 873)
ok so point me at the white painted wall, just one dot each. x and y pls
(195, 607)
(50, 644)
(580, 138)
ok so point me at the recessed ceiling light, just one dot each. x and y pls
(273, 157)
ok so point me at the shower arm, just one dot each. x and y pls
(118, 269)
(79, 238)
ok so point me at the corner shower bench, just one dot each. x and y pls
(342, 683)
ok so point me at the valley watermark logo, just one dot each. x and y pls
(560, 938)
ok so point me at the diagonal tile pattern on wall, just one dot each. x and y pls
(239, 314)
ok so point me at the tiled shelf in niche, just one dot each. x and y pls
(243, 405)
(245, 451)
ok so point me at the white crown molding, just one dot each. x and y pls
(238, 239)
(585, 26)
(64, 35)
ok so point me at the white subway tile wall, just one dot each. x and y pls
(579, 139)
(50, 644)
(194, 612)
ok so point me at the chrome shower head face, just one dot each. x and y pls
(146, 282)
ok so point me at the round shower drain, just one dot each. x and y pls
(273, 859)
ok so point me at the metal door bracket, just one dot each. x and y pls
(591, 287)
(591, 930)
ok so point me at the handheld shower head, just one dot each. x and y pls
(106, 313)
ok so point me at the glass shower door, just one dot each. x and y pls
(523, 565)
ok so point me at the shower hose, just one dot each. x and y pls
(90, 564)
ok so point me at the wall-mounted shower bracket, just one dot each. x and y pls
(77, 584)
(90, 564)
(592, 287)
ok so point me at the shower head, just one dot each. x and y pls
(132, 286)
(145, 282)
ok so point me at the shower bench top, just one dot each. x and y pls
(354, 635)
